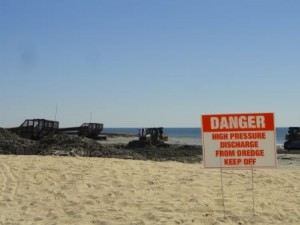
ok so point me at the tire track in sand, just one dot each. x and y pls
(8, 190)
(8, 185)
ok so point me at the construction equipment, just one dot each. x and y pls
(36, 128)
(150, 137)
(154, 134)
(292, 139)
(89, 130)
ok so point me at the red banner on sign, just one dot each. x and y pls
(238, 122)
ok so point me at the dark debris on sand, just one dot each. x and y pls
(72, 145)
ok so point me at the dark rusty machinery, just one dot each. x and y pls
(150, 137)
(89, 130)
(154, 134)
(37, 128)
(292, 139)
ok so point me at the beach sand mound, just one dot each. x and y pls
(72, 145)
(13, 144)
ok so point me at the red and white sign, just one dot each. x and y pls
(241, 140)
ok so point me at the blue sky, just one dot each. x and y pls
(139, 63)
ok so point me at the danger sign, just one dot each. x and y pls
(244, 140)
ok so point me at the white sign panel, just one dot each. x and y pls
(239, 140)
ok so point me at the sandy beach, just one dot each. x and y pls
(65, 179)
(81, 190)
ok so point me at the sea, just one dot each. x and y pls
(190, 136)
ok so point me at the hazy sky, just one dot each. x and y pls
(136, 63)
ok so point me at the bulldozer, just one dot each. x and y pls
(153, 136)
(292, 139)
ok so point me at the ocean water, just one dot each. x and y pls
(188, 135)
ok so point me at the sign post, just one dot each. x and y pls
(239, 141)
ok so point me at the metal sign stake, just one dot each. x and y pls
(222, 187)
(253, 209)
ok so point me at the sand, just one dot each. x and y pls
(77, 190)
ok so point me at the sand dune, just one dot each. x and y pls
(75, 190)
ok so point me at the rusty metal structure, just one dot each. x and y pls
(89, 130)
(36, 128)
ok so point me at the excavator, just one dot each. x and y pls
(292, 139)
